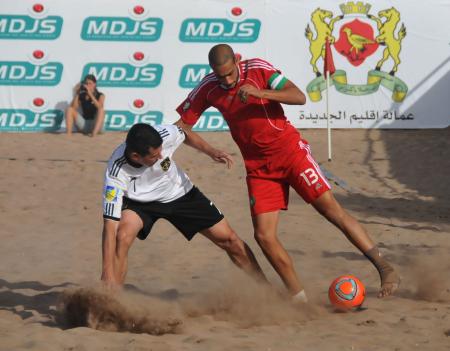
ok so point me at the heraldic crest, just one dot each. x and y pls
(356, 42)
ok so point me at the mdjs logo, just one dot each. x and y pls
(36, 25)
(36, 72)
(192, 74)
(137, 28)
(37, 118)
(136, 74)
(211, 121)
(138, 112)
(235, 29)
(123, 120)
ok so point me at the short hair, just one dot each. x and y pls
(141, 137)
(220, 54)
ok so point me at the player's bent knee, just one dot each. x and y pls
(235, 243)
(264, 239)
(124, 238)
(231, 243)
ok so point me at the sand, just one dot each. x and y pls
(187, 295)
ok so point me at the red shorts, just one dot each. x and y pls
(268, 186)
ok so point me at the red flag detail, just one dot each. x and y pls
(328, 63)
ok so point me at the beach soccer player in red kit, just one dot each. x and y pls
(249, 94)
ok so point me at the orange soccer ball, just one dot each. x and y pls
(346, 292)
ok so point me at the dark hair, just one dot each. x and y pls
(89, 77)
(92, 78)
(141, 137)
(220, 54)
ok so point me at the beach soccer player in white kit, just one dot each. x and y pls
(143, 184)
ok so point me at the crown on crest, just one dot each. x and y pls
(355, 8)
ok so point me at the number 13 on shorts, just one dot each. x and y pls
(309, 181)
(309, 176)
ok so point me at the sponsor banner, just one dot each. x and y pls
(25, 73)
(123, 120)
(121, 29)
(219, 30)
(38, 71)
(390, 62)
(24, 120)
(192, 74)
(211, 121)
(124, 75)
(25, 27)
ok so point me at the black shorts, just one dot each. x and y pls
(190, 213)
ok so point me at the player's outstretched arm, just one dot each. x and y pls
(108, 251)
(290, 94)
(194, 140)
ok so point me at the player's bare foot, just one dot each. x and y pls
(390, 281)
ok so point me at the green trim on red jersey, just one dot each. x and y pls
(277, 81)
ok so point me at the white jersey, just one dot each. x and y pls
(162, 182)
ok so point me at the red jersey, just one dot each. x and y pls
(259, 126)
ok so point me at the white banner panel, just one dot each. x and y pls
(391, 58)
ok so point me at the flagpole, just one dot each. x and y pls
(328, 69)
(328, 117)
